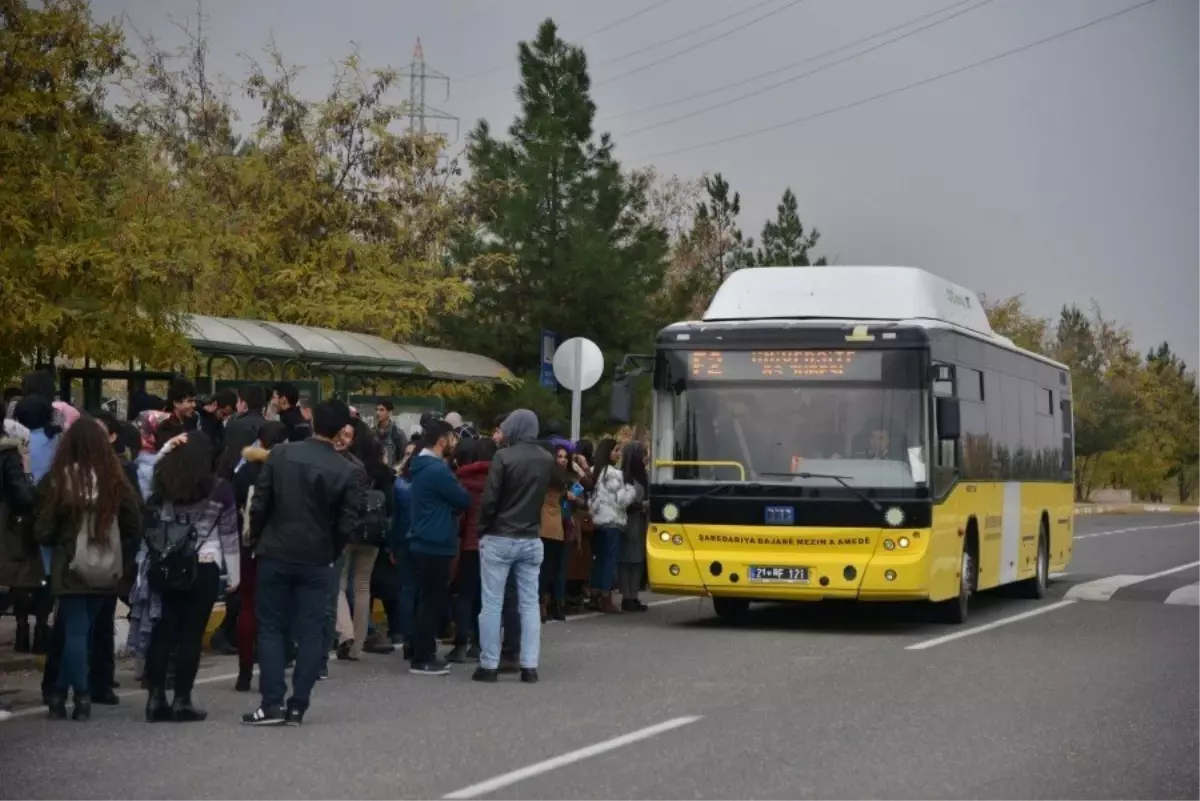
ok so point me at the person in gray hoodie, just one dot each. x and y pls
(510, 520)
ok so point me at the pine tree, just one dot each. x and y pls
(580, 254)
(784, 242)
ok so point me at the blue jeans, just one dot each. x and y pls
(497, 557)
(290, 602)
(606, 547)
(79, 615)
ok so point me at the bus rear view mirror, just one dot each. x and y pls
(620, 406)
(948, 424)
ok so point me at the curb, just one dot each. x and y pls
(1134, 508)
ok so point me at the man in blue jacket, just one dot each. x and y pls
(436, 499)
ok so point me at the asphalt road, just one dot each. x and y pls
(1065, 697)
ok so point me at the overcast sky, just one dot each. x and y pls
(1068, 171)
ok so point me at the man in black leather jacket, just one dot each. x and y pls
(307, 501)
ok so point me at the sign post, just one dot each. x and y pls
(578, 365)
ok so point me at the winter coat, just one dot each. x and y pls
(610, 499)
(552, 515)
(633, 538)
(20, 564)
(473, 477)
(437, 498)
(57, 528)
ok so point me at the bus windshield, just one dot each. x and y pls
(769, 416)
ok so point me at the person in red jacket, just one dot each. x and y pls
(472, 458)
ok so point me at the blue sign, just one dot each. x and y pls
(781, 516)
(546, 373)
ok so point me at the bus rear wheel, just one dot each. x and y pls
(1035, 586)
(731, 608)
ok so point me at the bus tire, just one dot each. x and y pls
(955, 610)
(1035, 586)
(731, 608)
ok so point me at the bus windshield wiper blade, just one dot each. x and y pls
(718, 488)
(839, 479)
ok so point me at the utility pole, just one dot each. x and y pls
(419, 74)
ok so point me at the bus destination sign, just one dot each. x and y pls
(795, 365)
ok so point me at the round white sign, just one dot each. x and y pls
(578, 364)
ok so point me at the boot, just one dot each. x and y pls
(556, 611)
(157, 708)
(457, 655)
(245, 673)
(56, 706)
(182, 710)
(83, 708)
(41, 637)
(593, 602)
(606, 604)
(22, 645)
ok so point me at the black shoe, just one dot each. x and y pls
(294, 716)
(473, 653)
(106, 698)
(434, 667)
(265, 716)
(41, 638)
(408, 652)
(484, 675)
(116, 686)
(509, 664)
(343, 651)
(529, 675)
(556, 612)
(379, 645)
(323, 673)
(458, 655)
(182, 710)
(22, 645)
(638, 606)
(243, 679)
(57, 707)
(83, 708)
(157, 708)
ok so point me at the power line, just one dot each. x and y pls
(786, 67)
(600, 30)
(698, 45)
(898, 90)
(803, 75)
(678, 36)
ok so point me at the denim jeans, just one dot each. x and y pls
(295, 594)
(606, 547)
(79, 615)
(497, 557)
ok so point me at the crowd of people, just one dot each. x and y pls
(300, 518)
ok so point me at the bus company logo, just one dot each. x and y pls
(962, 301)
(803, 542)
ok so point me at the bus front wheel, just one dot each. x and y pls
(955, 610)
(731, 608)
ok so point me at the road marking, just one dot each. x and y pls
(995, 624)
(538, 768)
(652, 604)
(1185, 596)
(1104, 589)
(1056, 576)
(1136, 528)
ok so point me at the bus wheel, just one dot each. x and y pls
(731, 608)
(955, 610)
(1035, 586)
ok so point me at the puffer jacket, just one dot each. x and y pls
(611, 498)
(57, 528)
(20, 565)
(473, 477)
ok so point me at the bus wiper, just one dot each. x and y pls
(839, 479)
(751, 485)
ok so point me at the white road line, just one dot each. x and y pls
(1059, 575)
(1104, 589)
(995, 624)
(538, 768)
(1185, 596)
(652, 604)
(1136, 528)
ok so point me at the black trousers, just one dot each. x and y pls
(102, 666)
(181, 629)
(468, 600)
(552, 567)
(433, 590)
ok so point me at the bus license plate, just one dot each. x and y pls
(792, 575)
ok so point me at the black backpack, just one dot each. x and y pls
(172, 544)
(373, 524)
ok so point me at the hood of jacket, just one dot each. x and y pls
(520, 426)
(473, 476)
(254, 453)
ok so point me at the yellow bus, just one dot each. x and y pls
(855, 433)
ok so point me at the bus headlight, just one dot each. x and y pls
(670, 512)
(890, 575)
(888, 545)
(894, 517)
(677, 539)
(665, 536)
(902, 542)
(673, 570)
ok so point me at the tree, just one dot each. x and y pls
(91, 257)
(784, 242)
(1009, 318)
(581, 253)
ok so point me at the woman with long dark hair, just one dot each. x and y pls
(88, 513)
(608, 504)
(632, 564)
(245, 474)
(184, 492)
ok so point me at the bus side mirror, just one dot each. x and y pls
(620, 405)
(948, 423)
